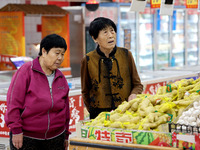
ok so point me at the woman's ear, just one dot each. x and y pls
(43, 52)
(94, 40)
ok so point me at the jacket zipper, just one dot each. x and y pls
(50, 90)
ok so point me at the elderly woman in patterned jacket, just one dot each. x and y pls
(108, 74)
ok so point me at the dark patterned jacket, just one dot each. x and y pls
(107, 82)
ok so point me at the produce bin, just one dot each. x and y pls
(99, 138)
(123, 135)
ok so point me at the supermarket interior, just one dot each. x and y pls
(163, 37)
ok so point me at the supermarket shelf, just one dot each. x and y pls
(100, 145)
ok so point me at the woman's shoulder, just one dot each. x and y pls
(26, 66)
(123, 50)
(91, 53)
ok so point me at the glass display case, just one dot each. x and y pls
(128, 31)
(178, 37)
(160, 41)
(163, 40)
(146, 43)
(192, 37)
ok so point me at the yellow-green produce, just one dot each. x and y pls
(149, 112)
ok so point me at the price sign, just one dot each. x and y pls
(153, 87)
(76, 111)
(191, 3)
(4, 130)
(155, 3)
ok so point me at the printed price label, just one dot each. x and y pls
(155, 3)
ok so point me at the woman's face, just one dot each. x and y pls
(53, 59)
(106, 38)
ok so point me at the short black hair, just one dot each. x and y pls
(99, 24)
(52, 41)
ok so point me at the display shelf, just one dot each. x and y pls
(193, 40)
(192, 50)
(123, 21)
(162, 52)
(178, 51)
(87, 144)
(178, 32)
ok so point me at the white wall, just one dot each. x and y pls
(39, 1)
(32, 36)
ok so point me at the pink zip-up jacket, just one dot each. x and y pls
(32, 109)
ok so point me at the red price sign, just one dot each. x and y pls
(153, 87)
(76, 111)
(4, 130)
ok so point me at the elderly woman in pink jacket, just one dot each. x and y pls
(37, 100)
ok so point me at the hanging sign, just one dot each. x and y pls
(166, 7)
(138, 5)
(12, 33)
(191, 3)
(155, 3)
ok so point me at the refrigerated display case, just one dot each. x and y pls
(163, 41)
(178, 37)
(146, 43)
(128, 23)
(142, 33)
(192, 37)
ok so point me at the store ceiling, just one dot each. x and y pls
(35, 9)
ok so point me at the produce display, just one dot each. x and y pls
(191, 116)
(150, 112)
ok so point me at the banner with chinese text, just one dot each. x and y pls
(4, 130)
(153, 87)
(76, 111)
(12, 33)
(58, 25)
(5, 63)
(120, 135)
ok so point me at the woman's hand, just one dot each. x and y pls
(132, 96)
(66, 144)
(17, 140)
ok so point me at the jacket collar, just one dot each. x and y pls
(102, 54)
(36, 66)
